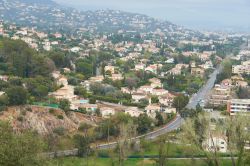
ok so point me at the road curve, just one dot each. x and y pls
(173, 125)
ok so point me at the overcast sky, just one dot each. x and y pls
(190, 13)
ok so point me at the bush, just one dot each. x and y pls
(29, 109)
(92, 100)
(20, 118)
(51, 111)
(23, 112)
(64, 104)
(3, 108)
(82, 110)
(17, 95)
(60, 117)
(59, 131)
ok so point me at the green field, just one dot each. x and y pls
(151, 151)
(130, 162)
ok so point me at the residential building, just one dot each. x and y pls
(226, 83)
(133, 111)
(244, 68)
(136, 97)
(220, 95)
(62, 81)
(171, 61)
(235, 106)
(107, 112)
(159, 92)
(166, 100)
(152, 109)
(155, 80)
(241, 83)
(169, 110)
(193, 64)
(197, 71)
(4, 78)
(177, 69)
(146, 88)
(208, 65)
(154, 68)
(89, 107)
(75, 49)
(66, 92)
(140, 66)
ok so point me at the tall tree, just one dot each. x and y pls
(17, 95)
(180, 102)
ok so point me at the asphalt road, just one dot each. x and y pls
(202, 94)
(175, 124)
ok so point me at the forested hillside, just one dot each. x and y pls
(28, 73)
(17, 59)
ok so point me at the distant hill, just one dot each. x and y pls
(48, 2)
(47, 15)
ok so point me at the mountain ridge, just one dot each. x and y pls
(50, 16)
(48, 2)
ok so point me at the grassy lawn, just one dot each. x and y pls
(130, 162)
(151, 150)
(174, 150)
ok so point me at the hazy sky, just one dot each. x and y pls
(190, 13)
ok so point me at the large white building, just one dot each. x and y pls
(238, 106)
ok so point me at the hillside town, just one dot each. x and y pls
(94, 83)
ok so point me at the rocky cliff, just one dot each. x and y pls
(44, 120)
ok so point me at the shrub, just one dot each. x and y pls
(60, 117)
(59, 131)
(20, 118)
(29, 109)
(51, 111)
(23, 112)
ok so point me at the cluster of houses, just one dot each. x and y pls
(146, 92)
(244, 68)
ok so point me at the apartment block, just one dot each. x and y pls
(235, 106)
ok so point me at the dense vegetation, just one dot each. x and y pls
(17, 59)
(29, 73)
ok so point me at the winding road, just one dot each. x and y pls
(173, 125)
(176, 123)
